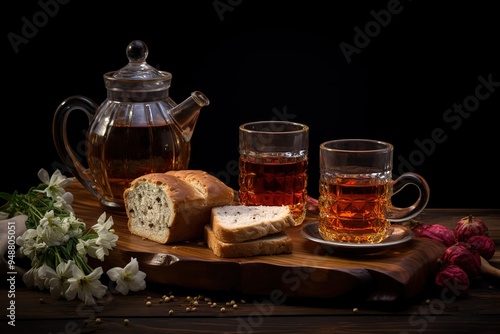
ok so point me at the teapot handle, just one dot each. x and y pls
(69, 156)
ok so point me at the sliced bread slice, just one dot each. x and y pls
(272, 244)
(238, 223)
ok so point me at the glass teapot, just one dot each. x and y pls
(137, 130)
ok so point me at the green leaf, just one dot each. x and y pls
(50, 257)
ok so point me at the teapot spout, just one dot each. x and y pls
(186, 113)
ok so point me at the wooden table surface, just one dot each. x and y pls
(428, 312)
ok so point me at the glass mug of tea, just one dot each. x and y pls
(356, 188)
(273, 165)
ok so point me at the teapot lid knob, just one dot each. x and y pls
(139, 69)
(137, 51)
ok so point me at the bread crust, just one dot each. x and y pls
(274, 244)
(235, 231)
(213, 189)
(165, 208)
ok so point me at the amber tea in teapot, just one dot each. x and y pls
(129, 152)
(137, 130)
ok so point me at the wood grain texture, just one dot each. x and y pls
(396, 274)
(372, 279)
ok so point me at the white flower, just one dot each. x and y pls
(64, 202)
(87, 287)
(73, 226)
(106, 241)
(106, 238)
(56, 231)
(103, 224)
(52, 230)
(44, 271)
(28, 242)
(59, 243)
(128, 278)
(88, 247)
(58, 279)
(28, 278)
(32, 278)
(55, 184)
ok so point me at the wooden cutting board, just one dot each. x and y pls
(398, 273)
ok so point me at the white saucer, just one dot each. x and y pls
(397, 235)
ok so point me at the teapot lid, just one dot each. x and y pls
(137, 75)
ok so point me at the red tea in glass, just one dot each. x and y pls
(353, 209)
(356, 188)
(273, 165)
(275, 181)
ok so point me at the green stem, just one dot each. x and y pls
(82, 264)
(59, 259)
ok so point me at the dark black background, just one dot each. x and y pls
(258, 60)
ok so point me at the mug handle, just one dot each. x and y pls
(70, 158)
(395, 214)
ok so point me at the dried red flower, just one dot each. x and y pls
(454, 278)
(468, 259)
(483, 244)
(418, 228)
(469, 226)
(440, 233)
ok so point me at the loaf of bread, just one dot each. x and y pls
(272, 244)
(238, 223)
(174, 206)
